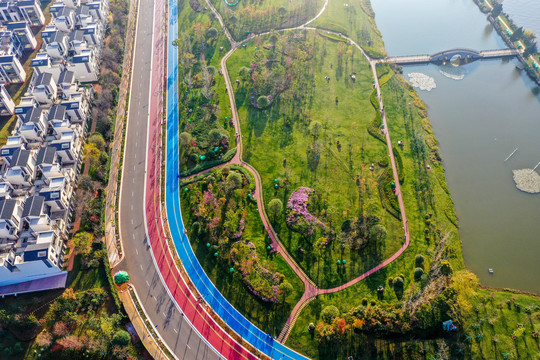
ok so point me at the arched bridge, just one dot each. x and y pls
(456, 53)
(461, 54)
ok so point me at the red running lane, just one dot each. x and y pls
(180, 291)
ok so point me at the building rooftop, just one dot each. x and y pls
(33, 206)
(20, 157)
(6, 208)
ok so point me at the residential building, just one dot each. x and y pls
(24, 34)
(11, 70)
(7, 106)
(33, 126)
(44, 89)
(85, 66)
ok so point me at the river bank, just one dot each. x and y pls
(506, 28)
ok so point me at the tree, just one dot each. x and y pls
(529, 36)
(83, 242)
(377, 233)
(497, 9)
(212, 33)
(282, 12)
(185, 139)
(92, 153)
(329, 313)
(446, 268)
(398, 282)
(215, 136)
(233, 20)
(275, 207)
(245, 73)
(419, 261)
(97, 140)
(263, 102)
(315, 129)
(121, 338)
(274, 38)
(285, 289)
(418, 272)
(234, 181)
(17, 348)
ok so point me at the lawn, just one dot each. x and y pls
(80, 279)
(256, 17)
(355, 19)
(236, 208)
(204, 105)
(278, 142)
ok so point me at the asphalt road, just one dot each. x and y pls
(159, 307)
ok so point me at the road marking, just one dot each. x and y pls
(132, 209)
(137, 251)
(176, 331)
(141, 267)
(147, 283)
(188, 347)
(131, 221)
(164, 315)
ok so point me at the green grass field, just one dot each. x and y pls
(260, 16)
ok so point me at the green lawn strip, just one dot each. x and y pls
(199, 115)
(247, 18)
(355, 19)
(269, 317)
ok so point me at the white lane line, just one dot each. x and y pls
(165, 316)
(131, 221)
(141, 267)
(137, 251)
(147, 283)
(131, 207)
(176, 331)
(188, 347)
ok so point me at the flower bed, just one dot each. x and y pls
(260, 281)
(300, 219)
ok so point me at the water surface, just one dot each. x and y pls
(478, 121)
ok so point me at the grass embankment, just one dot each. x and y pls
(236, 207)
(255, 17)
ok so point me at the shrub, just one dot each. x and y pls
(364, 301)
(419, 261)
(373, 302)
(383, 162)
(17, 348)
(263, 102)
(390, 281)
(329, 313)
(418, 272)
(121, 338)
(398, 282)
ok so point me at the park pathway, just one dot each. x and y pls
(311, 291)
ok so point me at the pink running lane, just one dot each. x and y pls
(180, 291)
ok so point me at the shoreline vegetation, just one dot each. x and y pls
(514, 36)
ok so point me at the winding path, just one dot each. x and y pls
(311, 291)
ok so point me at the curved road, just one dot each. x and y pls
(138, 261)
